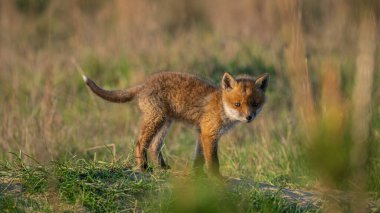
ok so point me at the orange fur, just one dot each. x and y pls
(169, 96)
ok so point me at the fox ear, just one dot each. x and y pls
(262, 81)
(228, 82)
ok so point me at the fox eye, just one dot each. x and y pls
(237, 104)
(255, 104)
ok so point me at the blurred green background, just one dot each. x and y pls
(319, 128)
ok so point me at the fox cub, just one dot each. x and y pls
(168, 96)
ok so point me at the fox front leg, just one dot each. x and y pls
(199, 159)
(210, 153)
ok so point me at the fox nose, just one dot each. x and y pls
(249, 118)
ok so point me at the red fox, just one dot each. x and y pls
(168, 96)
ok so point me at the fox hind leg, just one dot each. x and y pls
(156, 146)
(150, 127)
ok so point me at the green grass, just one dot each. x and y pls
(97, 186)
(50, 117)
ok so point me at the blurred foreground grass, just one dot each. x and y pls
(319, 129)
(77, 185)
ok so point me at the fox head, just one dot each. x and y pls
(243, 97)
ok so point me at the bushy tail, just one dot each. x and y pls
(117, 96)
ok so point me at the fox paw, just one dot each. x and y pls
(165, 167)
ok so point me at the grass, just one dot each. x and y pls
(77, 184)
(317, 62)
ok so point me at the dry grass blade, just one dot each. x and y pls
(361, 98)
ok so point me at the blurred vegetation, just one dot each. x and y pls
(320, 55)
(35, 7)
(77, 184)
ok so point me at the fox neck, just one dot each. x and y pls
(227, 114)
(214, 117)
